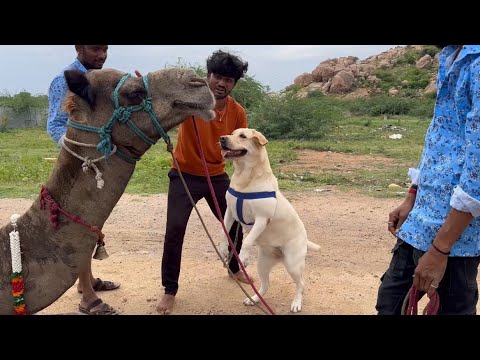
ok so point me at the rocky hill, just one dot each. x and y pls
(401, 71)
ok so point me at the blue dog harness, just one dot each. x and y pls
(248, 196)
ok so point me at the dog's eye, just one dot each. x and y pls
(243, 136)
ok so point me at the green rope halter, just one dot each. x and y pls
(123, 114)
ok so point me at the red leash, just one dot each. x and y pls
(410, 304)
(46, 200)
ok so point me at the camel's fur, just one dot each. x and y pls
(52, 259)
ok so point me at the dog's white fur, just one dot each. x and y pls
(277, 230)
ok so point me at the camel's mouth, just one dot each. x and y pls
(133, 151)
(228, 153)
(188, 105)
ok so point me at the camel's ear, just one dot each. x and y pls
(78, 84)
(258, 136)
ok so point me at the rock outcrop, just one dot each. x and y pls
(350, 77)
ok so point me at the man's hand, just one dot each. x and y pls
(398, 216)
(431, 266)
(429, 271)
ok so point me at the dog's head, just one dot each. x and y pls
(242, 144)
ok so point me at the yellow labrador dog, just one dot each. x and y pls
(266, 216)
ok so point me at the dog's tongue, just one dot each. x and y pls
(231, 153)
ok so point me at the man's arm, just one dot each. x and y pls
(465, 201)
(57, 119)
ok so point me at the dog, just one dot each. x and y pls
(267, 217)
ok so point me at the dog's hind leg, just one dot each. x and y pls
(295, 265)
(264, 265)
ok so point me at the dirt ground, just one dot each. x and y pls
(342, 278)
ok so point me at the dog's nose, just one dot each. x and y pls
(223, 140)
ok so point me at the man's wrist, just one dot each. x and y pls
(413, 189)
(441, 250)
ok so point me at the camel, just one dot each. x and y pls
(53, 258)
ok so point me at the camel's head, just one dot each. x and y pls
(168, 96)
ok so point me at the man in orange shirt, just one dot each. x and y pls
(224, 70)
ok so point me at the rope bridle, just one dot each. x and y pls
(88, 163)
(122, 114)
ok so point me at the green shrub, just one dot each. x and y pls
(249, 92)
(431, 50)
(409, 57)
(23, 101)
(416, 78)
(386, 105)
(290, 117)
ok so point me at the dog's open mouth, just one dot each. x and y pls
(229, 154)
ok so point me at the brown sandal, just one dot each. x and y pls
(106, 285)
(105, 309)
(102, 285)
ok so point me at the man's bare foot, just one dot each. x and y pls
(241, 277)
(165, 306)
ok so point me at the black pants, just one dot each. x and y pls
(179, 209)
(458, 290)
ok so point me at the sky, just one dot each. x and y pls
(32, 67)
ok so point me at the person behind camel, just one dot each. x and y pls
(88, 57)
(223, 72)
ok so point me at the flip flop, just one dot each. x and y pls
(102, 285)
(106, 285)
(104, 309)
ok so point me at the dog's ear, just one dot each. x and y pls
(258, 136)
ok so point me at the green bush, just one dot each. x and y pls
(431, 50)
(416, 78)
(23, 101)
(423, 107)
(249, 92)
(386, 105)
(409, 57)
(290, 117)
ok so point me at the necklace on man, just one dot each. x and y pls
(224, 112)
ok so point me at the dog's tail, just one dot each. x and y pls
(313, 246)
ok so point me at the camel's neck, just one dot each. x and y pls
(76, 191)
(52, 258)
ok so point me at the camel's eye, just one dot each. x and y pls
(136, 95)
(243, 136)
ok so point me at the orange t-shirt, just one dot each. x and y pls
(187, 153)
